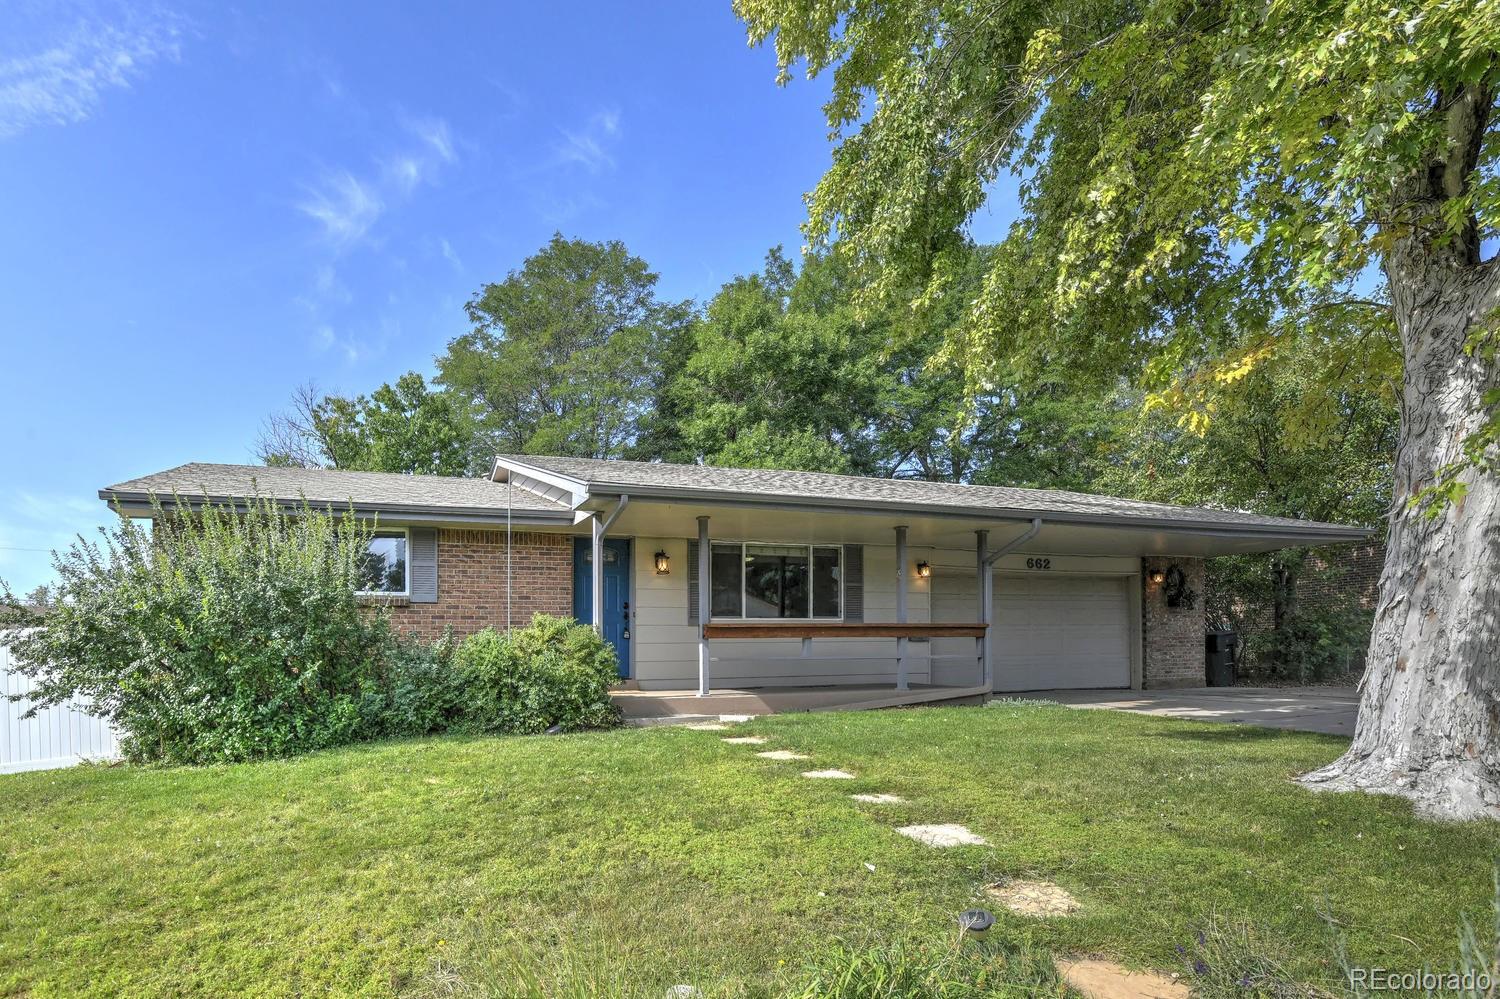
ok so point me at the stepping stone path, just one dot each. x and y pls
(1107, 980)
(707, 727)
(1032, 898)
(828, 774)
(783, 754)
(746, 740)
(879, 799)
(943, 835)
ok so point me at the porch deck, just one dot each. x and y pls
(665, 707)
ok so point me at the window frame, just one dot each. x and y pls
(811, 599)
(405, 591)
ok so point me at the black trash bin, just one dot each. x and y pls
(1221, 648)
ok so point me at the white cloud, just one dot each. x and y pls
(590, 146)
(404, 172)
(450, 255)
(434, 134)
(347, 205)
(434, 149)
(344, 205)
(62, 76)
(325, 339)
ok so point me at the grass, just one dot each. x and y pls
(624, 862)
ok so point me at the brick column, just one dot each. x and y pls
(1173, 636)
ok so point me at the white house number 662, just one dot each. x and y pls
(1039, 563)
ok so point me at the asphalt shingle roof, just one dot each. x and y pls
(441, 494)
(819, 486)
(381, 490)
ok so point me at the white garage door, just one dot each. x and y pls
(1061, 631)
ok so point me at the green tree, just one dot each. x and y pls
(404, 427)
(565, 352)
(782, 374)
(1258, 452)
(1203, 184)
(949, 419)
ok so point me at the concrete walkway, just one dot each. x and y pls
(1330, 710)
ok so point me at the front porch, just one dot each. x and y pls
(666, 707)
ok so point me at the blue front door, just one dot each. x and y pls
(616, 593)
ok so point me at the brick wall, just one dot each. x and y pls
(471, 582)
(1173, 636)
(1343, 575)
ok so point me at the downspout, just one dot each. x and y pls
(987, 597)
(1010, 546)
(615, 513)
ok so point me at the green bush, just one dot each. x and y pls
(555, 671)
(225, 635)
(423, 694)
(216, 635)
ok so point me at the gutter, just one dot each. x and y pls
(1326, 533)
(139, 504)
(1312, 532)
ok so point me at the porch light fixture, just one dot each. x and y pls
(663, 564)
(923, 570)
(1158, 576)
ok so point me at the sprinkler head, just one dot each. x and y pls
(975, 922)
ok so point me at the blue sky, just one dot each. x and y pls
(205, 206)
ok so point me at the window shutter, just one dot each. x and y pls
(692, 583)
(854, 583)
(422, 565)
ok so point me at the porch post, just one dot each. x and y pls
(985, 597)
(902, 679)
(704, 606)
(596, 577)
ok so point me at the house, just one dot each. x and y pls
(728, 577)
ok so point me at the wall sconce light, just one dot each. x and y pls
(923, 570)
(663, 564)
(1158, 576)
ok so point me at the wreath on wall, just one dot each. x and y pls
(1176, 589)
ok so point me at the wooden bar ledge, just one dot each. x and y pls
(833, 629)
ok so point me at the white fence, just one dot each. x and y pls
(57, 737)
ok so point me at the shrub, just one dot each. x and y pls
(555, 671)
(423, 692)
(216, 635)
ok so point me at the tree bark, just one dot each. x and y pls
(1429, 715)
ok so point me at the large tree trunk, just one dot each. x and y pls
(1429, 721)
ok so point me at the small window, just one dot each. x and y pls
(383, 568)
(726, 576)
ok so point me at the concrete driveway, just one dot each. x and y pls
(1330, 710)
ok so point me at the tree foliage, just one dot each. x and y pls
(405, 427)
(1201, 184)
(565, 352)
(777, 380)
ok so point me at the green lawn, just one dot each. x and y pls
(447, 865)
